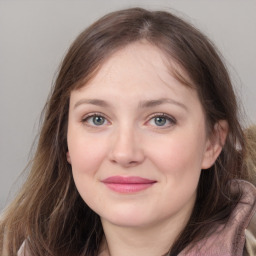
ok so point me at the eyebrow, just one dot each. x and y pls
(154, 103)
(96, 102)
(142, 104)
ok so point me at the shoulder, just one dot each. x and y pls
(245, 210)
(250, 236)
(248, 192)
(237, 237)
(241, 227)
(247, 218)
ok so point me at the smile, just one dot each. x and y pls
(128, 184)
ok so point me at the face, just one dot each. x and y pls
(137, 140)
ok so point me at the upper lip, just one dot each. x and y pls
(127, 180)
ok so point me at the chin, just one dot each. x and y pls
(128, 222)
(128, 218)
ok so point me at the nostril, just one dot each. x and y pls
(133, 163)
(126, 160)
(125, 149)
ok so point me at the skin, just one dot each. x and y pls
(128, 141)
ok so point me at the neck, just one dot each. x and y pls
(150, 241)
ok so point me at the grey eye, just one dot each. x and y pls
(160, 121)
(98, 120)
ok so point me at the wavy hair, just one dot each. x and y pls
(48, 212)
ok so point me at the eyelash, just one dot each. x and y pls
(172, 121)
(87, 117)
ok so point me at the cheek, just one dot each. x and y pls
(86, 154)
(180, 156)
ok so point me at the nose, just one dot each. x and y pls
(126, 149)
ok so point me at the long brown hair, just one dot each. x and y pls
(48, 212)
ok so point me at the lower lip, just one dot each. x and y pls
(128, 187)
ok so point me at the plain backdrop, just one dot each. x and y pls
(34, 36)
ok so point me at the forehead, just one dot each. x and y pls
(139, 61)
(137, 72)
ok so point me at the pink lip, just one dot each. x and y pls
(128, 184)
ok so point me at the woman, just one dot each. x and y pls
(138, 153)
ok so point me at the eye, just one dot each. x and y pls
(95, 120)
(162, 120)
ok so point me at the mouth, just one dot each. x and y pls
(130, 184)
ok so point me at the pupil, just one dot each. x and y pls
(98, 120)
(160, 121)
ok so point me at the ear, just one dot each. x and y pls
(215, 143)
(68, 157)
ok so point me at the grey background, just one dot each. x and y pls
(34, 36)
